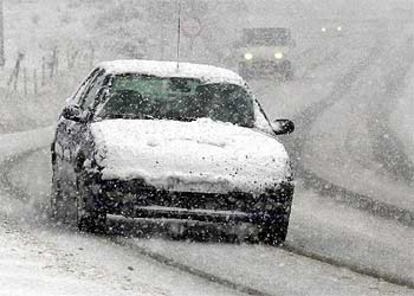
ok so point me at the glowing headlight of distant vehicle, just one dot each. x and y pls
(248, 56)
(278, 55)
(339, 28)
(323, 29)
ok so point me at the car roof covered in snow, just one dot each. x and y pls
(206, 73)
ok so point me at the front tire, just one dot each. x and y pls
(90, 216)
(62, 206)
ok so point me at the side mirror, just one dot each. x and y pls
(283, 126)
(72, 112)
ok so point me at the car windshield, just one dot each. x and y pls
(135, 96)
(266, 36)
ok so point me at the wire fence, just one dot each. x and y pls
(26, 77)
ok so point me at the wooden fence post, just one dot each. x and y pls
(43, 71)
(35, 81)
(25, 80)
(14, 77)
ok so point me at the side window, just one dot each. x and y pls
(84, 86)
(90, 95)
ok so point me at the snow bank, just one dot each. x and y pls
(206, 73)
(200, 156)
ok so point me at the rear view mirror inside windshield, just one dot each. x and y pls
(182, 85)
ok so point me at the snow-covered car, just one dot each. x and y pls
(161, 140)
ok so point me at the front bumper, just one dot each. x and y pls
(135, 199)
(265, 67)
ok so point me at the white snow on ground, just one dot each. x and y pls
(50, 262)
(200, 156)
(322, 226)
(271, 270)
(31, 268)
(205, 73)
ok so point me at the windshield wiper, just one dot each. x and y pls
(185, 118)
(150, 117)
(131, 116)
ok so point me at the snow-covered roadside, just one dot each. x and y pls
(31, 267)
(36, 259)
(17, 143)
(47, 262)
(12, 145)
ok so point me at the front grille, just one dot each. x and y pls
(135, 193)
(261, 66)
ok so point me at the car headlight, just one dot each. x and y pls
(323, 29)
(279, 55)
(339, 28)
(248, 56)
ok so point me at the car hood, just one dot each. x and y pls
(200, 156)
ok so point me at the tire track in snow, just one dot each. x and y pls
(306, 120)
(367, 271)
(388, 149)
(188, 269)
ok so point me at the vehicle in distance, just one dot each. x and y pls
(265, 52)
(332, 30)
(148, 139)
(332, 27)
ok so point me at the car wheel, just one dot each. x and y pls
(90, 218)
(55, 196)
(61, 205)
(272, 228)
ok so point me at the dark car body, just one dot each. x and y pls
(121, 150)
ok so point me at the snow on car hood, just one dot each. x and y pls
(199, 156)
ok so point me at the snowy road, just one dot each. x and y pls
(331, 249)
